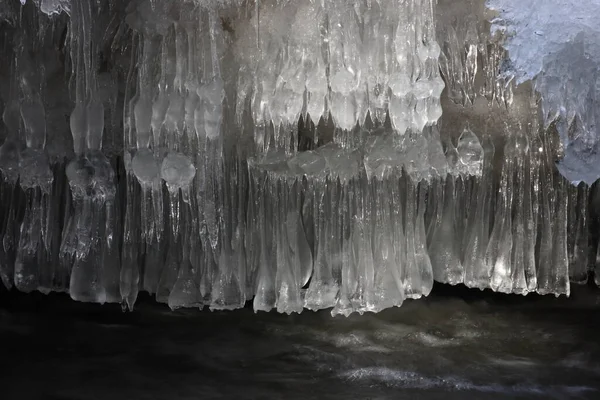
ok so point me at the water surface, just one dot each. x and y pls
(456, 344)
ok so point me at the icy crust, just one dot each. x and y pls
(557, 43)
(538, 30)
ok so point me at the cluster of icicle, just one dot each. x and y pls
(358, 207)
(343, 58)
(522, 229)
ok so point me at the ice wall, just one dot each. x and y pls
(297, 154)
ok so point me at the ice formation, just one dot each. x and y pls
(557, 43)
(296, 154)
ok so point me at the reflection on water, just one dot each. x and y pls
(455, 345)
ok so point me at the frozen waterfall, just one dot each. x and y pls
(318, 154)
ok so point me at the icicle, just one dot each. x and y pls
(130, 274)
(86, 277)
(26, 264)
(161, 102)
(175, 114)
(170, 270)
(145, 167)
(502, 266)
(185, 291)
(444, 252)
(422, 259)
(265, 297)
(530, 223)
(303, 258)
(388, 287)
(579, 232)
(560, 261)
(546, 274)
(323, 289)
(476, 273)
(362, 298)
(412, 277)
(521, 261)
(288, 289)
(348, 271)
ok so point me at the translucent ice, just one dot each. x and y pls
(338, 154)
(470, 154)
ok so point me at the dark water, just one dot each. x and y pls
(456, 344)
